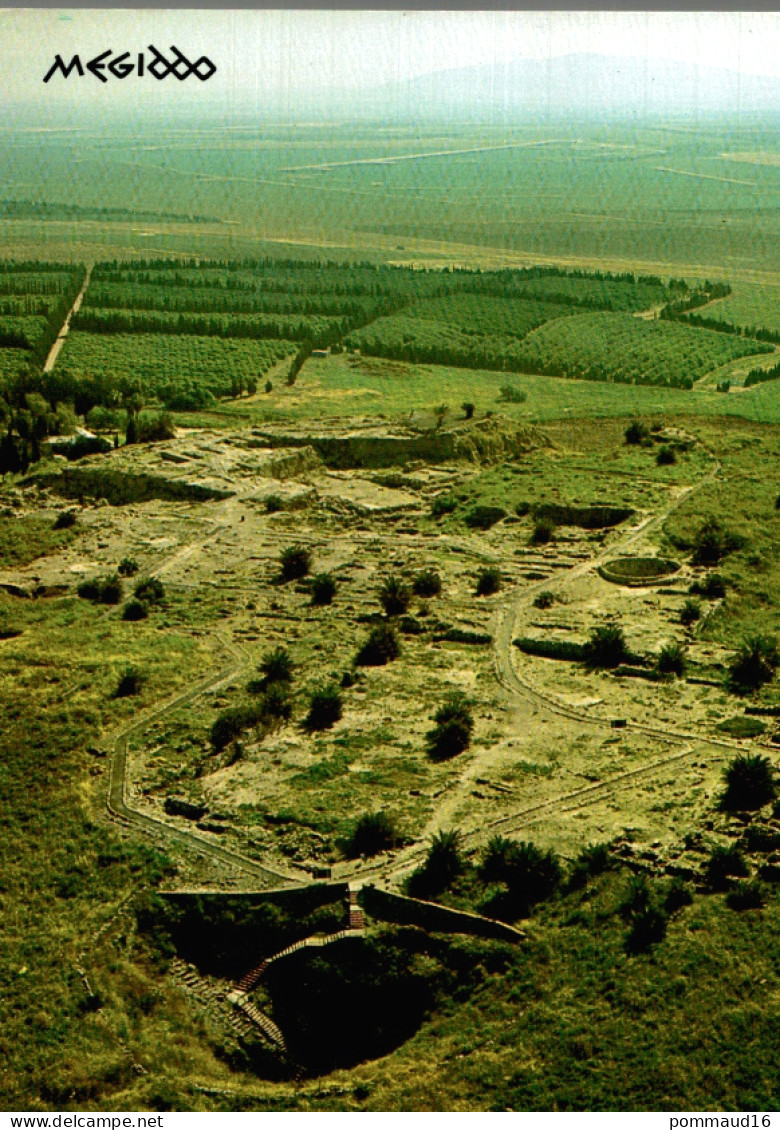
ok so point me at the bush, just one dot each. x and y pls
(380, 648)
(441, 505)
(374, 832)
(529, 873)
(135, 610)
(65, 519)
(749, 782)
(747, 896)
(606, 647)
(395, 596)
(154, 428)
(276, 702)
(269, 386)
(295, 562)
(453, 729)
(513, 395)
(543, 532)
(130, 683)
(274, 503)
(427, 583)
(483, 517)
(754, 664)
(151, 591)
(712, 586)
(690, 612)
(324, 708)
(276, 667)
(637, 433)
(102, 590)
(443, 864)
(678, 896)
(488, 581)
(666, 456)
(712, 542)
(468, 409)
(648, 928)
(128, 567)
(671, 660)
(230, 723)
(323, 589)
(637, 898)
(545, 599)
(592, 860)
(722, 865)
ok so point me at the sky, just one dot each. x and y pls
(283, 54)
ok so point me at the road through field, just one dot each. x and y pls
(61, 336)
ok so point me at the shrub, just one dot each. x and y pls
(274, 503)
(154, 428)
(666, 456)
(453, 729)
(276, 667)
(512, 394)
(102, 590)
(648, 928)
(427, 583)
(135, 610)
(295, 562)
(130, 682)
(443, 865)
(230, 723)
(747, 896)
(374, 832)
(545, 599)
(269, 386)
(671, 659)
(637, 898)
(395, 596)
(529, 873)
(127, 567)
(151, 591)
(440, 412)
(678, 896)
(442, 504)
(65, 519)
(324, 708)
(723, 864)
(323, 589)
(690, 612)
(483, 517)
(712, 542)
(749, 782)
(754, 664)
(712, 586)
(347, 679)
(543, 532)
(636, 433)
(380, 648)
(606, 647)
(488, 581)
(468, 409)
(276, 702)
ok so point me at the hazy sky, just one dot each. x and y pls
(282, 53)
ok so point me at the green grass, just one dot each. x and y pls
(24, 539)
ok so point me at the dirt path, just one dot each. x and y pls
(60, 341)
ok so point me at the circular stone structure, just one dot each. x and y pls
(638, 570)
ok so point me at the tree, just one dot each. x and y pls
(130, 683)
(754, 664)
(324, 708)
(468, 409)
(276, 667)
(666, 456)
(712, 542)
(671, 659)
(749, 782)
(395, 596)
(295, 562)
(636, 433)
(543, 532)
(150, 591)
(443, 864)
(690, 612)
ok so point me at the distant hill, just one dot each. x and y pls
(580, 85)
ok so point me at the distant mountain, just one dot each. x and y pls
(580, 85)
